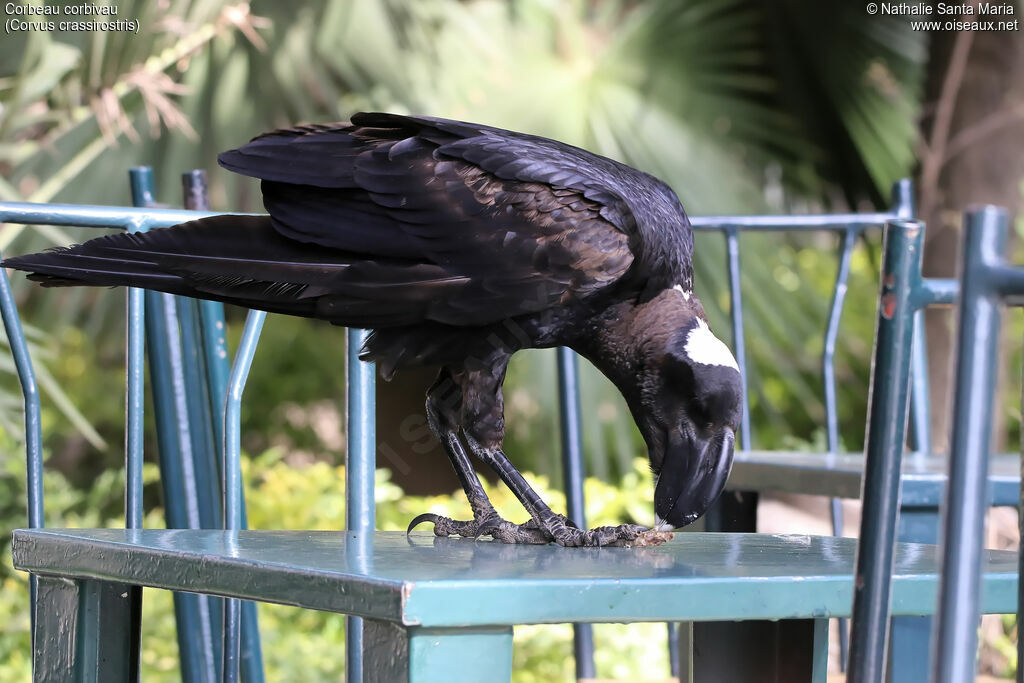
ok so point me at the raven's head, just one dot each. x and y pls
(690, 409)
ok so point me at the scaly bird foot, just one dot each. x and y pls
(622, 535)
(490, 525)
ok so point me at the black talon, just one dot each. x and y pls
(419, 519)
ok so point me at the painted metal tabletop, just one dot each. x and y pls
(839, 476)
(432, 581)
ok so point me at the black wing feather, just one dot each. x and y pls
(396, 220)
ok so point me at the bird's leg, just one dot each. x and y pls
(560, 528)
(444, 400)
(484, 428)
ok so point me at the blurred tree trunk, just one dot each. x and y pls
(405, 444)
(974, 108)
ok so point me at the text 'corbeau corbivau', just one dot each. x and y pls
(457, 245)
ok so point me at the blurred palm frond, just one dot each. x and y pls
(742, 107)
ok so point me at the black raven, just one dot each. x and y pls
(459, 244)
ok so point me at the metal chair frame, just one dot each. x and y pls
(988, 282)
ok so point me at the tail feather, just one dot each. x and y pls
(190, 259)
(244, 260)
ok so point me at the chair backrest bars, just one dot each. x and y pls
(135, 354)
(571, 430)
(198, 617)
(987, 283)
(360, 467)
(903, 295)
(33, 418)
(849, 226)
(233, 479)
(161, 326)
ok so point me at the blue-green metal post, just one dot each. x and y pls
(572, 473)
(33, 422)
(828, 365)
(215, 346)
(210, 349)
(233, 476)
(135, 404)
(197, 655)
(140, 181)
(739, 346)
(195, 414)
(205, 406)
(885, 438)
(920, 401)
(198, 415)
(30, 394)
(955, 644)
(135, 401)
(360, 467)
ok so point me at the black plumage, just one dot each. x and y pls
(459, 244)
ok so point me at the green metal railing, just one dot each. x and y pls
(189, 386)
(987, 282)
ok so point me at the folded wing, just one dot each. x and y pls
(387, 221)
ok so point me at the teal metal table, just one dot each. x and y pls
(438, 609)
(923, 478)
(923, 481)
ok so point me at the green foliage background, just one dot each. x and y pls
(742, 107)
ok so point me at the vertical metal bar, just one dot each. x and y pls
(211, 317)
(828, 364)
(360, 467)
(203, 405)
(572, 473)
(673, 650)
(198, 415)
(885, 438)
(206, 382)
(140, 180)
(1020, 555)
(955, 644)
(211, 350)
(920, 401)
(215, 347)
(831, 334)
(33, 423)
(903, 198)
(179, 395)
(732, 244)
(920, 397)
(233, 476)
(361, 458)
(194, 632)
(186, 424)
(135, 402)
(30, 394)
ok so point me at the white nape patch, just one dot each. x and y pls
(660, 524)
(685, 292)
(703, 347)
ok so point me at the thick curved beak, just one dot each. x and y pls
(692, 477)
